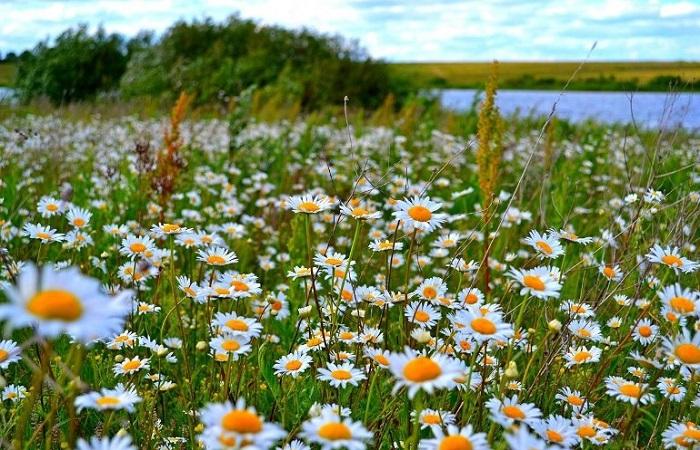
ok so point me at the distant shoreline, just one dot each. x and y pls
(646, 76)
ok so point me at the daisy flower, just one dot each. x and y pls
(418, 371)
(572, 398)
(232, 323)
(430, 418)
(232, 425)
(43, 233)
(78, 217)
(105, 443)
(455, 439)
(164, 229)
(293, 364)
(309, 203)
(422, 314)
(340, 375)
(556, 430)
(669, 388)
(470, 296)
(585, 329)
(483, 325)
(537, 282)
(329, 431)
(49, 206)
(431, 289)
(645, 332)
(628, 391)
(683, 302)
(521, 439)
(547, 245)
(13, 393)
(229, 345)
(378, 356)
(581, 355)
(681, 435)
(684, 349)
(509, 411)
(671, 257)
(576, 309)
(359, 213)
(217, 256)
(133, 246)
(131, 365)
(611, 272)
(385, 246)
(571, 236)
(118, 398)
(419, 213)
(9, 353)
(65, 301)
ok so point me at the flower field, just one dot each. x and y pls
(181, 283)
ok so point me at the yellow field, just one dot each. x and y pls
(473, 73)
(7, 74)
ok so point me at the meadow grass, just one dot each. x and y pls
(340, 256)
(551, 75)
(7, 74)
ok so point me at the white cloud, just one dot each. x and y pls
(403, 30)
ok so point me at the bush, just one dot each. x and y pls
(77, 67)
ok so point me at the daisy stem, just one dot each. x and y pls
(310, 256)
(417, 407)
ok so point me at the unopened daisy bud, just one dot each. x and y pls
(512, 370)
(199, 428)
(201, 346)
(119, 358)
(422, 336)
(305, 311)
(358, 313)
(554, 325)
(315, 410)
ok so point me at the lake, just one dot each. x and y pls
(649, 109)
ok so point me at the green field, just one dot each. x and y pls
(553, 75)
(7, 74)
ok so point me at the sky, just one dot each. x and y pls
(404, 30)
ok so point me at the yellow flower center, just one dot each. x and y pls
(313, 342)
(239, 286)
(630, 390)
(456, 442)
(43, 235)
(688, 353)
(582, 357)
(609, 272)
(672, 260)
(381, 359)
(52, 207)
(55, 304)
(346, 335)
(574, 400)
(3, 355)
(421, 369)
(341, 374)
(533, 282)
(308, 207)
(422, 316)
(544, 247)
(682, 305)
(554, 436)
(78, 221)
(107, 401)
(586, 431)
(513, 412)
(471, 298)
(334, 431)
(432, 419)
(419, 213)
(294, 364)
(483, 325)
(645, 331)
(359, 211)
(334, 261)
(132, 365)
(241, 421)
(230, 345)
(216, 259)
(692, 433)
(237, 324)
(137, 247)
(429, 292)
(170, 228)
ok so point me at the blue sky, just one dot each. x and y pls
(405, 30)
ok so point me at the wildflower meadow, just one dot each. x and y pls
(226, 282)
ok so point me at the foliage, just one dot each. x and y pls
(76, 67)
